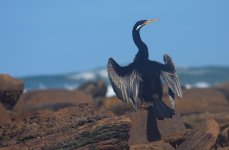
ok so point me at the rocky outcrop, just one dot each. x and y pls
(201, 138)
(75, 127)
(224, 88)
(201, 101)
(193, 120)
(54, 99)
(96, 89)
(194, 101)
(10, 91)
(116, 106)
(146, 128)
(5, 117)
(223, 138)
(61, 119)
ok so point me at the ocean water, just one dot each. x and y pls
(200, 77)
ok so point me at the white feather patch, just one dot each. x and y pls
(138, 27)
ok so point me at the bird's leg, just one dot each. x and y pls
(143, 106)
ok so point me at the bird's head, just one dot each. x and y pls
(141, 23)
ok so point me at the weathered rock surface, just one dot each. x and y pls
(194, 119)
(4, 116)
(223, 148)
(158, 145)
(96, 89)
(200, 101)
(194, 101)
(51, 99)
(70, 128)
(223, 138)
(146, 128)
(172, 129)
(201, 138)
(116, 106)
(40, 120)
(224, 88)
(10, 90)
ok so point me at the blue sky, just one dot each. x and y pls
(53, 36)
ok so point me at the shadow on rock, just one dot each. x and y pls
(152, 131)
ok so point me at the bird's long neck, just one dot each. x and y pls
(142, 48)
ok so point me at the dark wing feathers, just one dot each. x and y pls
(125, 82)
(171, 78)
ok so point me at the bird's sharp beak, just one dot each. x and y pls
(152, 20)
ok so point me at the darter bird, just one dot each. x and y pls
(140, 84)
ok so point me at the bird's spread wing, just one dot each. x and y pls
(171, 78)
(125, 82)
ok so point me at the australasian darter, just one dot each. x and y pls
(140, 82)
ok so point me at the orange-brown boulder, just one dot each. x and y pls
(201, 100)
(96, 89)
(146, 128)
(193, 101)
(116, 106)
(193, 120)
(223, 138)
(52, 99)
(78, 127)
(5, 117)
(224, 88)
(10, 90)
(201, 138)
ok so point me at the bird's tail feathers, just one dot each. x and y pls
(161, 110)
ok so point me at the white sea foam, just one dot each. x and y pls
(103, 73)
(202, 84)
(25, 90)
(188, 86)
(110, 91)
(84, 76)
(70, 87)
(42, 86)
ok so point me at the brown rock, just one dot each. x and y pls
(4, 117)
(171, 129)
(194, 101)
(146, 128)
(138, 131)
(158, 145)
(96, 89)
(223, 138)
(10, 90)
(79, 127)
(50, 99)
(200, 101)
(224, 88)
(202, 138)
(223, 148)
(194, 119)
(116, 106)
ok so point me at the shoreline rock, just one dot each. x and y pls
(52, 119)
(202, 138)
(146, 128)
(74, 127)
(53, 99)
(10, 91)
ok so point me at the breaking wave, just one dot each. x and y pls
(202, 77)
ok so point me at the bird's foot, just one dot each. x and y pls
(145, 107)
